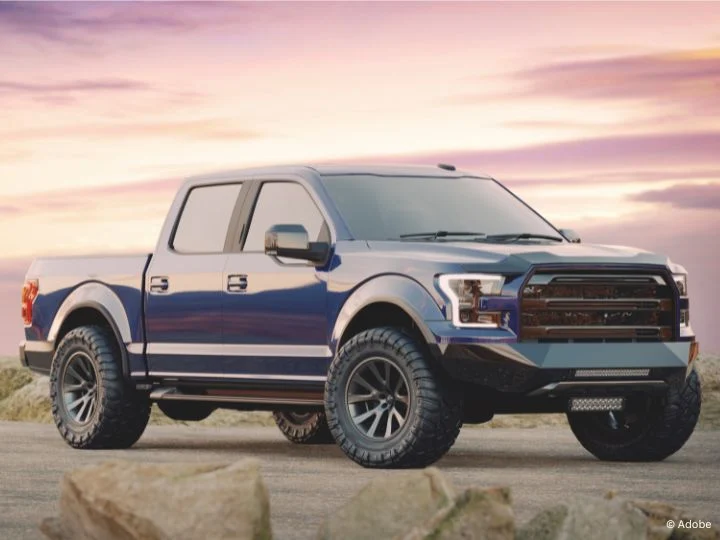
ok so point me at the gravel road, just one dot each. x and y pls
(542, 466)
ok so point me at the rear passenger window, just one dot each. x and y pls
(285, 203)
(205, 219)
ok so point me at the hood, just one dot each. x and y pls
(485, 257)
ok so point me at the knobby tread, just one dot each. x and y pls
(437, 413)
(122, 412)
(669, 430)
(314, 430)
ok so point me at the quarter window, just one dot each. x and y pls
(205, 219)
(282, 203)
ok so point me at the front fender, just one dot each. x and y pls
(401, 291)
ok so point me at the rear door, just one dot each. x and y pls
(184, 285)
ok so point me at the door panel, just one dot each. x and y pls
(188, 313)
(276, 324)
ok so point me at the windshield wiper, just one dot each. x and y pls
(440, 234)
(512, 237)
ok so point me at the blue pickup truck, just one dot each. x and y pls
(375, 307)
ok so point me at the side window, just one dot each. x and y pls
(282, 203)
(205, 219)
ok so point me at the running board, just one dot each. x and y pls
(173, 394)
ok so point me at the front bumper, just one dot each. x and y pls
(568, 368)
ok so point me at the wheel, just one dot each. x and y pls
(649, 429)
(386, 407)
(92, 405)
(304, 427)
(185, 411)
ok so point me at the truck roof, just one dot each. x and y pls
(336, 169)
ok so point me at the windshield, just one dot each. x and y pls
(401, 207)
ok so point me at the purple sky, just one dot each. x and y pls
(604, 116)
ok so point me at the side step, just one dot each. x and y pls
(237, 396)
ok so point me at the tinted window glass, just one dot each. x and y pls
(282, 203)
(383, 208)
(205, 219)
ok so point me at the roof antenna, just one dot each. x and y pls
(446, 166)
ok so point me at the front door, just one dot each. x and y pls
(275, 322)
(184, 287)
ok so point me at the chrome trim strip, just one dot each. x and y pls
(222, 349)
(239, 376)
(39, 346)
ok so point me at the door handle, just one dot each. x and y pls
(159, 284)
(237, 283)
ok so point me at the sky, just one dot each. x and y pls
(605, 117)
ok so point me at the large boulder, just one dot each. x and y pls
(600, 519)
(389, 506)
(480, 514)
(122, 500)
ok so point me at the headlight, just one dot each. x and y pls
(465, 291)
(681, 282)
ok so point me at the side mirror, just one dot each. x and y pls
(292, 241)
(571, 235)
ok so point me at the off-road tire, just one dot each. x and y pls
(304, 428)
(434, 412)
(121, 413)
(184, 411)
(670, 423)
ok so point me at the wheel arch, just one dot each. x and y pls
(93, 304)
(390, 300)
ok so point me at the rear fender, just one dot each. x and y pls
(101, 298)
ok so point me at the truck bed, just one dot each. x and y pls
(121, 277)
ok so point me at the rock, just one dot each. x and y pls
(658, 514)
(12, 378)
(29, 403)
(125, 500)
(478, 514)
(389, 506)
(599, 519)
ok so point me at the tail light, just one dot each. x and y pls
(29, 293)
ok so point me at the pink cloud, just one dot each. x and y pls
(603, 154)
(688, 196)
(679, 79)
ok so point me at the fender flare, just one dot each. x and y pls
(400, 291)
(101, 298)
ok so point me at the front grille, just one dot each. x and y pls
(587, 307)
